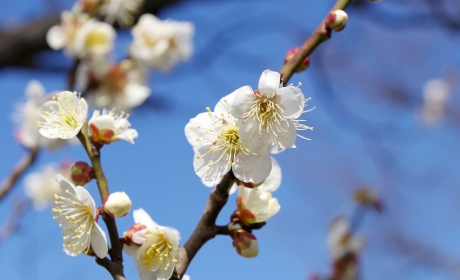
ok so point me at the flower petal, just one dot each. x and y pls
(142, 217)
(145, 274)
(244, 99)
(211, 166)
(251, 168)
(131, 250)
(273, 180)
(249, 136)
(225, 104)
(87, 199)
(291, 100)
(65, 185)
(287, 135)
(56, 37)
(135, 95)
(162, 274)
(99, 241)
(269, 82)
(195, 131)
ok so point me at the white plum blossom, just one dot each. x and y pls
(64, 35)
(94, 38)
(41, 186)
(341, 241)
(110, 127)
(269, 115)
(112, 85)
(161, 44)
(75, 212)
(256, 205)
(63, 116)
(28, 114)
(436, 94)
(215, 138)
(155, 248)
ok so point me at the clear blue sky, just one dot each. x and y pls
(363, 135)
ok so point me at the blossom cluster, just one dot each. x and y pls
(159, 44)
(238, 136)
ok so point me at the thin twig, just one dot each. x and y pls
(115, 264)
(21, 167)
(320, 35)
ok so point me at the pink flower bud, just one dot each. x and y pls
(305, 63)
(336, 20)
(245, 243)
(117, 204)
(81, 173)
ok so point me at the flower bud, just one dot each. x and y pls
(117, 204)
(336, 20)
(367, 197)
(245, 243)
(81, 173)
(305, 63)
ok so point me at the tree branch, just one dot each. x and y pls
(115, 264)
(206, 228)
(320, 35)
(21, 167)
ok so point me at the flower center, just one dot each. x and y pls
(266, 110)
(231, 136)
(95, 38)
(160, 252)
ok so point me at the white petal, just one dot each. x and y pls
(145, 274)
(287, 136)
(142, 217)
(103, 122)
(139, 236)
(274, 207)
(56, 38)
(291, 100)
(162, 274)
(65, 185)
(210, 166)
(131, 250)
(273, 180)
(257, 201)
(250, 168)
(249, 136)
(135, 95)
(99, 241)
(269, 82)
(128, 135)
(35, 91)
(225, 104)
(243, 101)
(87, 199)
(195, 131)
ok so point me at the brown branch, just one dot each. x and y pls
(206, 228)
(320, 35)
(115, 265)
(21, 167)
(12, 224)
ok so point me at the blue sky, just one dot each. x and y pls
(366, 84)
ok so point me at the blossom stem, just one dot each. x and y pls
(321, 34)
(115, 266)
(20, 168)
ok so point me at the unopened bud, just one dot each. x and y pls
(117, 204)
(81, 173)
(305, 63)
(337, 20)
(245, 243)
(367, 197)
